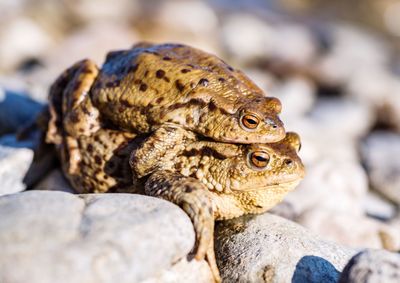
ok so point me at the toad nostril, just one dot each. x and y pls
(288, 161)
(271, 123)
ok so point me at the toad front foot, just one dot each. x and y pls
(191, 195)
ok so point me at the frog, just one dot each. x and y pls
(140, 89)
(209, 180)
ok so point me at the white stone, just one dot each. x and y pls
(343, 118)
(268, 248)
(294, 44)
(377, 207)
(357, 231)
(21, 38)
(331, 185)
(353, 50)
(247, 37)
(60, 237)
(297, 96)
(373, 266)
(14, 163)
(380, 153)
(55, 181)
(195, 17)
(102, 10)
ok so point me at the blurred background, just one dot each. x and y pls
(335, 65)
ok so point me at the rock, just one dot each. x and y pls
(377, 207)
(87, 11)
(345, 119)
(293, 44)
(284, 209)
(331, 130)
(10, 140)
(184, 271)
(193, 22)
(14, 163)
(331, 185)
(15, 48)
(267, 248)
(10, 119)
(371, 86)
(55, 181)
(93, 42)
(249, 38)
(372, 266)
(357, 231)
(379, 153)
(352, 50)
(93, 238)
(297, 96)
(380, 89)
(246, 37)
(195, 17)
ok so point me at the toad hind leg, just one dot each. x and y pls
(191, 195)
(68, 98)
(72, 113)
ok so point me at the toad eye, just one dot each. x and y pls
(259, 159)
(250, 121)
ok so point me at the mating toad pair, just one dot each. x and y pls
(173, 122)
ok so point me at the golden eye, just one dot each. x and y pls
(250, 121)
(259, 159)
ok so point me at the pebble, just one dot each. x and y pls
(372, 266)
(55, 181)
(377, 207)
(246, 37)
(297, 96)
(357, 231)
(380, 152)
(345, 119)
(331, 185)
(12, 120)
(293, 44)
(93, 238)
(268, 248)
(14, 164)
(380, 90)
(194, 17)
(15, 48)
(352, 51)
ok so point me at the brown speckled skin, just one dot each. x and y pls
(142, 88)
(209, 180)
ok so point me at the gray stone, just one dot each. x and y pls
(297, 96)
(284, 209)
(380, 153)
(353, 50)
(331, 185)
(55, 181)
(16, 48)
(342, 118)
(14, 163)
(268, 248)
(15, 111)
(256, 36)
(61, 237)
(378, 207)
(372, 266)
(347, 228)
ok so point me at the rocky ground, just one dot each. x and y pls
(340, 89)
